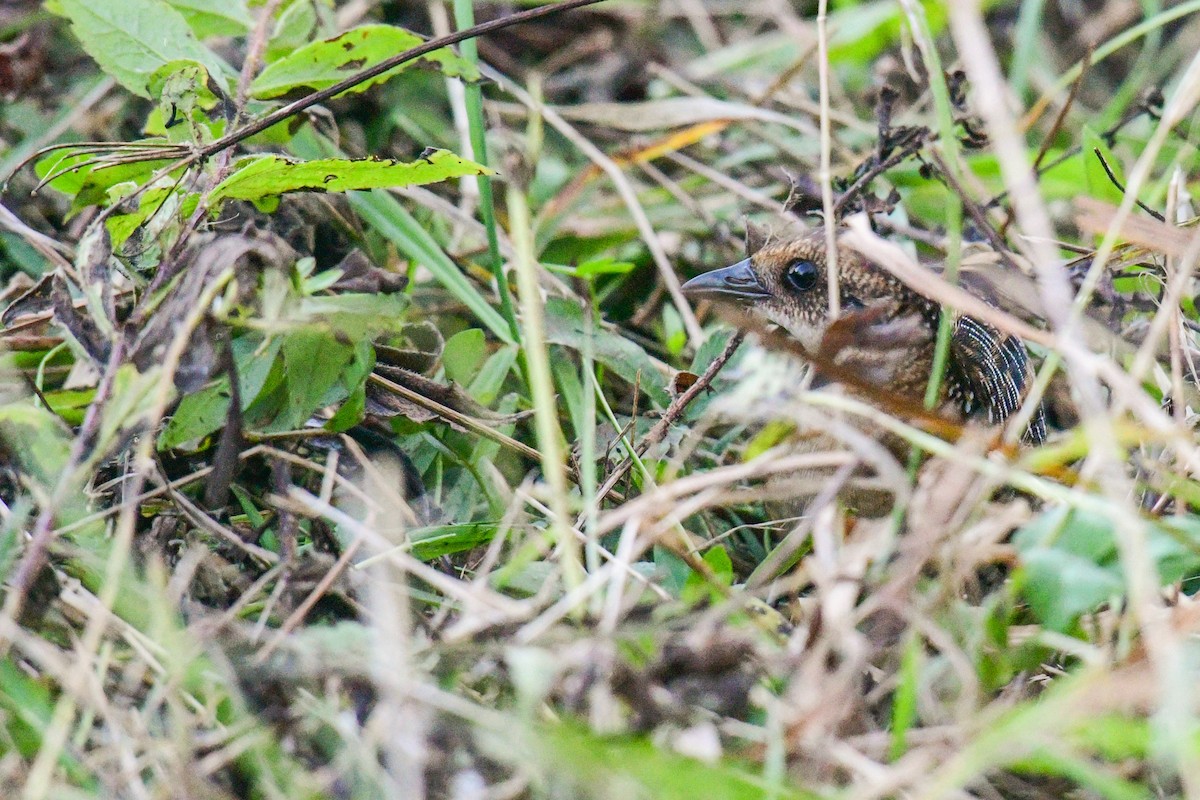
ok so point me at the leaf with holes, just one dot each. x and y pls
(259, 177)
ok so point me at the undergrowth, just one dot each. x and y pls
(357, 440)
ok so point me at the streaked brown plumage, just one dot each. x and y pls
(885, 333)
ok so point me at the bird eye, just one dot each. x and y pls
(801, 275)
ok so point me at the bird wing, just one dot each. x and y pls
(995, 372)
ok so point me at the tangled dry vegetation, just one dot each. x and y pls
(357, 441)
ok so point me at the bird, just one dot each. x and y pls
(885, 334)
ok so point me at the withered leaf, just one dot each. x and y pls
(417, 348)
(360, 275)
(34, 300)
(82, 327)
(382, 402)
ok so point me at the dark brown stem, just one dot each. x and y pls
(874, 172)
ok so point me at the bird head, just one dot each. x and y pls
(787, 282)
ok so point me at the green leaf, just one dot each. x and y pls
(294, 26)
(464, 354)
(130, 39)
(350, 413)
(489, 380)
(312, 361)
(1099, 185)
(264, 176)
(1071, 562)
(354, 316)
(215, 17)
(444, 540)
(86, 184)
(1061, 586)
(564, 325)
(36, 439)
(393, 221)
(589, 760)
(203, 412)
(697, 588)
(319, 65)
(26, 708)
(70, 404)
(198, 415)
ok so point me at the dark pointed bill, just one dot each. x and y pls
(736, 282)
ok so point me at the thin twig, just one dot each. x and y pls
(671, 415)
(1121, 188)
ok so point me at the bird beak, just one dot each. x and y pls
(737, 282)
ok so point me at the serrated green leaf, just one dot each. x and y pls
(130, 39)
(319, 65)
(265, 176)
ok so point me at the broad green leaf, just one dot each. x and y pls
(351, 411)
(1071, 561)
(354, 316)
(564, 325)
(203, 412)
(86, 184)
(185, 101)
(489, 380)
(319, 65)
(863, 30)
(312, 361)
(157, 209)
(37, 440)
(39, 445)
(130, 39)
(264, 176)
(697, 588)
(198, 415)
(293, 28)
(1061, 586)
(215, 17)
(464, 354)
